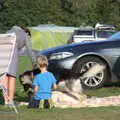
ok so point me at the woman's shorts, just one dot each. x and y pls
(13, 64)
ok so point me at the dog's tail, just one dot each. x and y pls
(97, 68)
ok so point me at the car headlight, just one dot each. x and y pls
(60, 55)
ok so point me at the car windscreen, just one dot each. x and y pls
(115, 36)
(104, 34)
(79, 32)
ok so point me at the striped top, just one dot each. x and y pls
(23, 40)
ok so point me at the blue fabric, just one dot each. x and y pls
(44, 81)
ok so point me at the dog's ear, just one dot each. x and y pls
(36, 71)
(28, 72)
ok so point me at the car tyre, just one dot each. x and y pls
(83, 66)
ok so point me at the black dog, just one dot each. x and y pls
(26, 80)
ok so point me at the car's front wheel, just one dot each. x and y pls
(95, 81)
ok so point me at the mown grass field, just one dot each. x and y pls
(101, 113)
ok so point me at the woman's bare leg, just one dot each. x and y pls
(5, 92)
(11, 92)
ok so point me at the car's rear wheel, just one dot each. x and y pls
(95, 81)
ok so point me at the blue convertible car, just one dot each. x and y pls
(72, 60)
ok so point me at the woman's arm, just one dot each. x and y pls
(28, 45)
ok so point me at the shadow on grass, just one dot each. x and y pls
(117, 84)
(18, 98)
(21, 98)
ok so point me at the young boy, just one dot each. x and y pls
(43, 84)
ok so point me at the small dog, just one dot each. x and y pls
(26, 80)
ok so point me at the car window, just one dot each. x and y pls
(115, 36)
(104, 34)
(79, 32)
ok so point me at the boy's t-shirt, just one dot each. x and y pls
(44, 81)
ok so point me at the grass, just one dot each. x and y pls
(101, 113)
(24, 65)
(76, 114)
(112, 89)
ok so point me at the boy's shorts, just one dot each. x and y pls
(34, 103)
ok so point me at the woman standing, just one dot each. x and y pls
(22, 40)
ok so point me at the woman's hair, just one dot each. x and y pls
(42, 61)
(26, 30)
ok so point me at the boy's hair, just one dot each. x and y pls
(42, 61)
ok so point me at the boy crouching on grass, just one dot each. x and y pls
(43, 84)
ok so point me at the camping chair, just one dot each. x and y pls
(7, 45)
